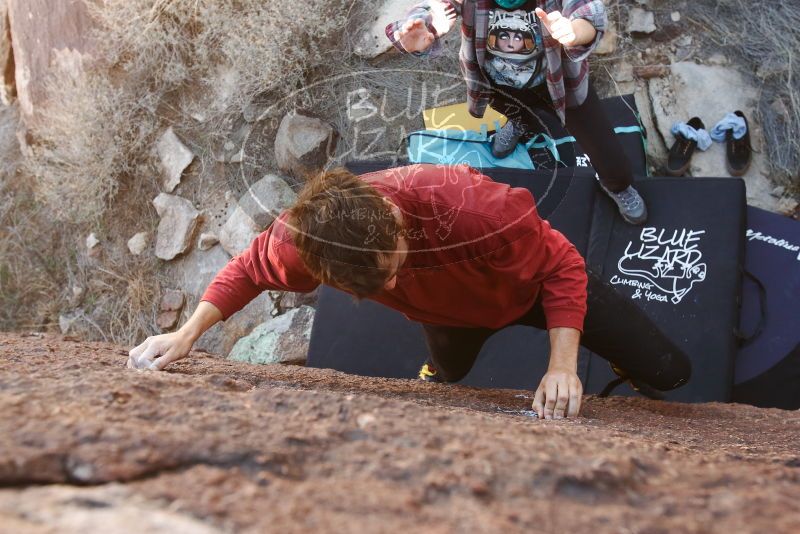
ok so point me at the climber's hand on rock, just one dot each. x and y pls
(156, 352)
(558, 395)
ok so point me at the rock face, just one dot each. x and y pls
(706, 92)
(176, 227)
(303, 144)
(137, 243)
(238, 232)
(90, 446)
(283, 339)
(266, 199)
(40, 31)
(372, 41)
(174, 157)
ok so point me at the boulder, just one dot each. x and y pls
(137, 243)
(266, 199)
(303, 145)
(641, 21)
(710, 92)
(40, 31)
(174, 157)
(283, 339)
(371, 41)
(238, 232)
(176, 227)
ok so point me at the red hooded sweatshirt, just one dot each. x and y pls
(479, 255)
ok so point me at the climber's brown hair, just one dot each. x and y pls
(344, 229)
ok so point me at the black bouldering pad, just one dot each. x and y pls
(767, 370)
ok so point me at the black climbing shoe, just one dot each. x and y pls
(680, 154)
(637, 385)
(738, 152)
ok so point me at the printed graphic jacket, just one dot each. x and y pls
(479, 255)
(567, 67)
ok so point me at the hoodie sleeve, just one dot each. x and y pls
(270, 263)
(551, 265)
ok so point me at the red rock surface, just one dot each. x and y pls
(88, 445)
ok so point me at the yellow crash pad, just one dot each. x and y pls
(456, 117)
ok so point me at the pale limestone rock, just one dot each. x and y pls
(710, 92)
(641, 21)
(266, 199)
(238, 232)
(303, 145)
(138, 243)
(92, 241)
(174, 157)
(176, 227)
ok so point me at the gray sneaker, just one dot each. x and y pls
(506, 139)
(630, 203)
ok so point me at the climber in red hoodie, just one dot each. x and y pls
(450, 248)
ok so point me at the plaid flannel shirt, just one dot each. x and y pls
(567, 66)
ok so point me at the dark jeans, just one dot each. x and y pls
(587, 123)
(614, 328)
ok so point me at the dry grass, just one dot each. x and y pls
(87, 140)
